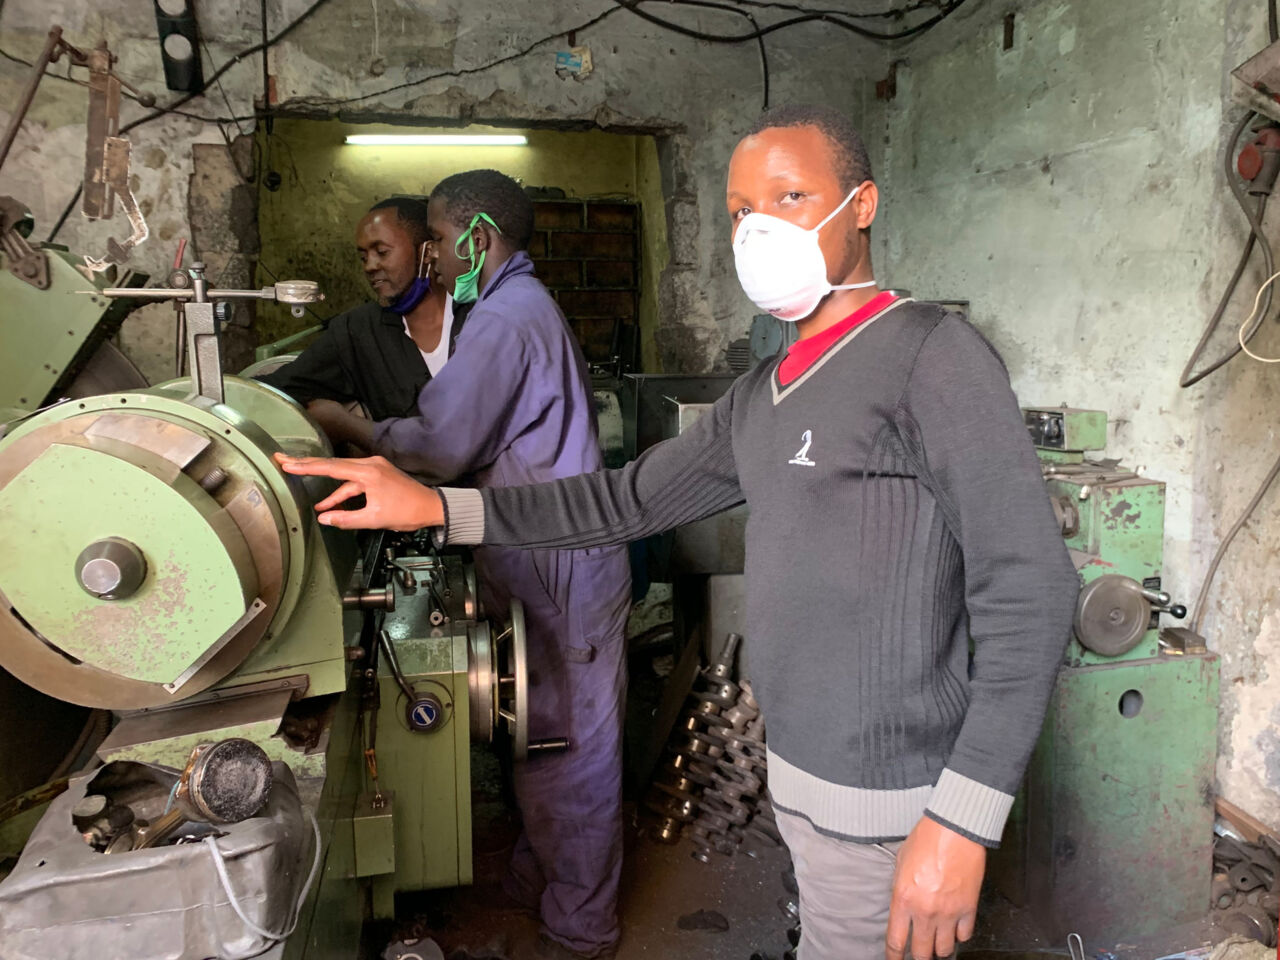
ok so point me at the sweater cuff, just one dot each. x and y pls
(463, 517)
(970, 808)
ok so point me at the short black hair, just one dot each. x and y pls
(488, 191)
(412, 212)
(854, 166)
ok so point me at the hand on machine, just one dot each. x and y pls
(393, 499)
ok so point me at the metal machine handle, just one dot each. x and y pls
(1161, 602)
(201, 319)
(553, 745)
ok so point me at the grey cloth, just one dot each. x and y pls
(66, 900)
(896, 511)
(845, 891)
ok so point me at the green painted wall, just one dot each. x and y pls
(307, 226)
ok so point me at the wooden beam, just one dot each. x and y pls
(1250, 827)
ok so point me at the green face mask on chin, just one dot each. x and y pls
(467, 287)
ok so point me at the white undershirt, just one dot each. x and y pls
(435, 359)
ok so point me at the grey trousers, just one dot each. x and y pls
(845, 888)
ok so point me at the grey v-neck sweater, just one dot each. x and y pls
(897, 510)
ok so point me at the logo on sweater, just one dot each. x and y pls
(801, 459)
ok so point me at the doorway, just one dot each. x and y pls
(600, 227)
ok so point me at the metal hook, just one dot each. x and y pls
(1075, 946)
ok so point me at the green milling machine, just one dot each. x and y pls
(161, 570)
(1112, 836)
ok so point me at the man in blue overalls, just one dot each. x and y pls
(513, 406)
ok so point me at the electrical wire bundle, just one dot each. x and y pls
(1262, 187)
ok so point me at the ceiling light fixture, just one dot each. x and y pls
(437, 140)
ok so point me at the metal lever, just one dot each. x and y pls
(1162, 603)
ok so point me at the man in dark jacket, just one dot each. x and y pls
(381, 354)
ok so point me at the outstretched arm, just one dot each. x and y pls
(677, 481)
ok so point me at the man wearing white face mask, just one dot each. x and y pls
(896, 512)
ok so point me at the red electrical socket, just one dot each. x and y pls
(1249, 163)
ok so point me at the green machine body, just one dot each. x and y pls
(1112, 835)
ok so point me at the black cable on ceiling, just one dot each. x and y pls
(466, 71)
(834, 19)
(764, 54)
(891, 13)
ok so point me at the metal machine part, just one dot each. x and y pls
(200, 318)
(446, 677)
(224, 782)
(106, 161)
(1112, 615)
(1113, 523)
(111, 569)
(732, 809)
(1131, 726)
(58, 340)
(693, 750)
(1066, 428)
(65, 899)
(24, 261)
(92, 475)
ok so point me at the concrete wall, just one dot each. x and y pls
(307, 225)
(1071, 188)
(696, 97)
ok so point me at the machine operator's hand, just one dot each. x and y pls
(340, 424)
(935, 892)
(393, 500)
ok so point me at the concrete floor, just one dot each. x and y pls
(662, 883)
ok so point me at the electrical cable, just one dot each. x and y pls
(835, 20)
(266, 72)
(220, 865)
(466, 71)
(1226, 542)
(1255, 234)
(894, 13)
(764, 54)
(1273, 29)
(186, 97)
(1266, 284)
(125, 93)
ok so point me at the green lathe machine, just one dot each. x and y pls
(156, 565)
(1113, 836)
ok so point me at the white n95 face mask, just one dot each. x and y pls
(780, 265)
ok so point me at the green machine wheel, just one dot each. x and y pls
(153, 543)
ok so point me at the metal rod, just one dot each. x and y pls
(29, 91)
(394, 663)
(174, 293)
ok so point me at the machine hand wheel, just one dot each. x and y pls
(513, 681)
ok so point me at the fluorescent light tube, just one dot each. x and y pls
(437, 140)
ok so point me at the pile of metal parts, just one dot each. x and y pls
(1246, 886)
(716, 775)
